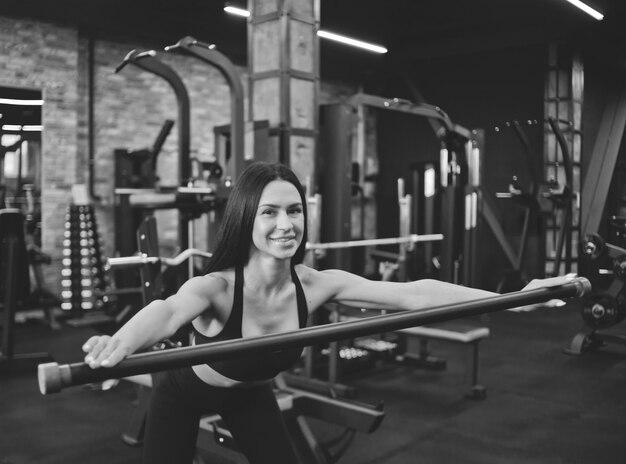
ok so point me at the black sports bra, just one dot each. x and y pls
(263, 366)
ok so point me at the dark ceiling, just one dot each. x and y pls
(412, 30)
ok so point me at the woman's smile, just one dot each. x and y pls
(284, 240)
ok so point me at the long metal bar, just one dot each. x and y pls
(54, 377)
(418, 109)
(413, 238)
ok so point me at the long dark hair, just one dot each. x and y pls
(235, 233)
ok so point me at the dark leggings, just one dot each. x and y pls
(250, 413)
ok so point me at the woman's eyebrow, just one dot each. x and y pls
(273, 205)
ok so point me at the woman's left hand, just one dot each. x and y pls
(540, 283)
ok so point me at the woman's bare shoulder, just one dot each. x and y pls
(325, 283)
(306, 274)
(211, 284)
(225, 277)
(312, 276)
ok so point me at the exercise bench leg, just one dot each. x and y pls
(477, 391)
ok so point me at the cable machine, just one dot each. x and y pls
(341, 129)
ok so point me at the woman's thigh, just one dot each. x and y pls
(258, 427)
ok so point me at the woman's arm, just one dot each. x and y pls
(352, 290)
(158, 320)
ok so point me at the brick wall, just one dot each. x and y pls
(44, 56)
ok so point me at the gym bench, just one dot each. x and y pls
(458, 333)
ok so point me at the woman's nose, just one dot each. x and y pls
(283, 221)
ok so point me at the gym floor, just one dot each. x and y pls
(542, 405)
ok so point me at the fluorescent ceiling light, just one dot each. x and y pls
(324, 34)
(353, 42)
(237, 11)
(17, 127)
(33, 128)
(14, 101)
(587, 9)
(11, 127)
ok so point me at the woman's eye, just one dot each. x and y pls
(295, 211)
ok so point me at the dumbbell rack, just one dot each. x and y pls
(84, 282)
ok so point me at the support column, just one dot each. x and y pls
(283, 63)
(563, 103)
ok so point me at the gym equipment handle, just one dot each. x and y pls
(140, 260)
(54, 377)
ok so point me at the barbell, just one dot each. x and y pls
(413, 238)
(53, 377)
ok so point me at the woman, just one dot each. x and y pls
(255, 284)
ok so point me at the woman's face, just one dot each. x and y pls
(279, 222)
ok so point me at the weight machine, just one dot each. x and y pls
(20, 193)
(191, 200)
(602, 260)
(340, 133)
(149, 62)
(14, 290)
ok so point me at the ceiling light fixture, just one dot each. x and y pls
(33, 128)
(353, 42)
(587, 9)
(18, 128)
(11, 127)
(324, 34)
(15, 101)
(236, 11)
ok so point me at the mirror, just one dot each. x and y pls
(20, 154)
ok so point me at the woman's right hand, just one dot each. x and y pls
(105, 351)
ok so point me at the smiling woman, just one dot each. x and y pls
(255, 285)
